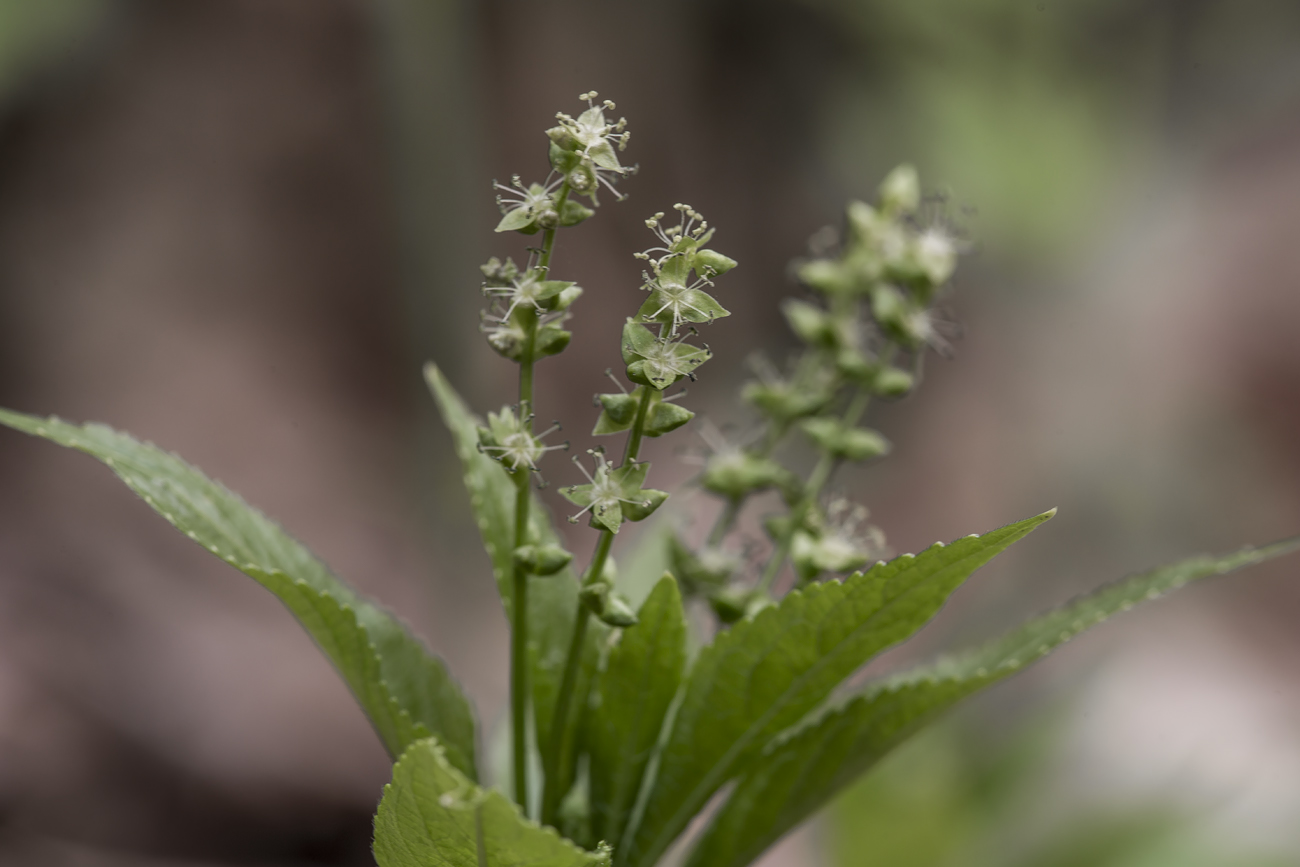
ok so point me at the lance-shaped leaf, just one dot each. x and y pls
(801, 770)
(406, 692)
(431, 815)
(765, 674)
(553, 600)
(629, 702)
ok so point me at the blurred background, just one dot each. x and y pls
(237, 228)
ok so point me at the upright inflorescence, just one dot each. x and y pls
(866, 325)
(524, 322)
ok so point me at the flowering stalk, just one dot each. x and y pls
(876, 299)
(525, 325)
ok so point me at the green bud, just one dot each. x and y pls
(608, 604)
(826, 276)
(900, 191)
(574, 213)
(551, 340)
(709, 569)
(618, 411)
(666, 417)
(643, 508)
(710, 263)
(734, 473)
(842, 441)
(813, 554)
(497, 273)
(541, 559)
(737, 602)
(893, 382)
(810, 323)
(562, 160)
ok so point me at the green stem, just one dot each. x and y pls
(638, 428)
(559, 742)
(727, 517)
(820, 475)
(519, 577)
(556, 757)
(519, 645)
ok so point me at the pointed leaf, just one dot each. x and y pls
(802, 770)
(406, 691)
(766, 673)
(629, 702)
(433, 816)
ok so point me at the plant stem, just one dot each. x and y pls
(638, 428)
(519, 578)
(519, 645)
(556, 756)
(820, 475)
(727, 517)
(558, 746)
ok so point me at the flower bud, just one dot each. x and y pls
(666, 417)
(602, 600)
(541, 559)
(893, 382)
(826, 276)
(738, 601)
(812, 324)
(900, 191)
(707, 570)
(639, 510)
(710, 263)
(842, 441)
(735, 473)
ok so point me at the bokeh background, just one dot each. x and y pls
(237, 227)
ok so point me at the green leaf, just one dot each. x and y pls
(629, 703)
(766, 673)
(804, 768)
(553, 600)
(406, 692)
(431, 815)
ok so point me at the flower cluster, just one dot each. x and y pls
(865, 326)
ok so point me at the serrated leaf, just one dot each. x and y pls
(766, 673)
(407, 693)
(433, 816)
(804, 768)
(629, 703)
(553, 600)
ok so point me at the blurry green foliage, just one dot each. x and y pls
(37, 35)
(956, 797)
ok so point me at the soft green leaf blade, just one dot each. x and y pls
(431, 815)
(553, 600)
(407, 692)
(801, 770)
(629, 703)
(765, 674)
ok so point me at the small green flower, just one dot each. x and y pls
(732, 471)
(674, 297)
(584, 149)
(508, 439)
(613, 495)
(618, 411)
(784, 399)
(659, 361)
(841, 542)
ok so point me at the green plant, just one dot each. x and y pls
(633, 734)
